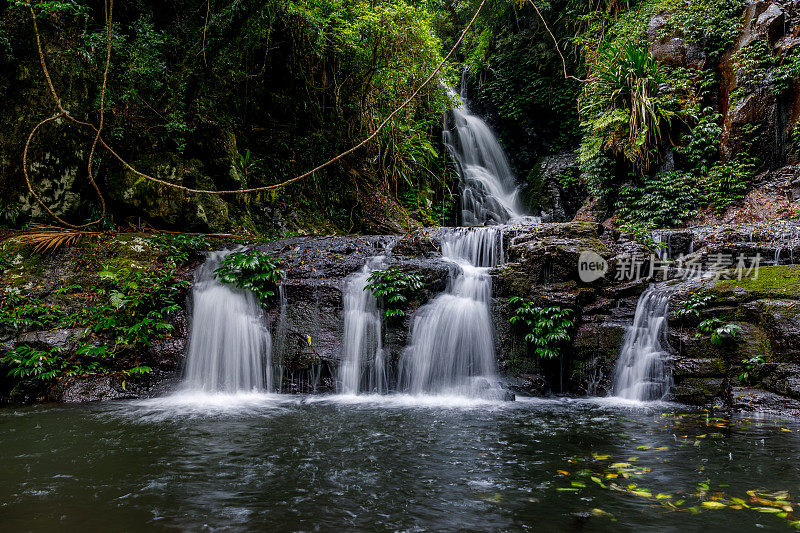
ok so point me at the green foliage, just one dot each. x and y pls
(727, 182)
(393, 288)
(123, 308)
(787, 72)
(253, 270)
(25, 362)
(23, 312)
(713, 24)
(624, 112)
(665, 200)
(642, 232)
(178, 248)
(721, 333)
(748, 365)
(751, 65)
(702, 149)
(691, 307)
(546, 328)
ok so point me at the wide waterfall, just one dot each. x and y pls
(363, 367)
(642, 371)
(452, 338)
(229, 349)
(489, 194)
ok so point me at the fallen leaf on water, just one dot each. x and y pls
(713, 505)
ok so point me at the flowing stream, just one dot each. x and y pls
(452, 338)
(643, 371)
(489, 193)
(229, 348)
(363, 367)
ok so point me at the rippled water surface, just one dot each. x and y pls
(265, 462)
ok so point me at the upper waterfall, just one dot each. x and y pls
(489, 193)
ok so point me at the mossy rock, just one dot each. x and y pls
(781, 281)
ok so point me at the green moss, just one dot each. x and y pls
(772, 281)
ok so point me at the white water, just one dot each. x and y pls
(642, 371)
(489, 194)
(229, 348)
(452, 339)
(363, 366)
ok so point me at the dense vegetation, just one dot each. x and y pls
(216, 95)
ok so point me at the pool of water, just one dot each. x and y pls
(267, 462)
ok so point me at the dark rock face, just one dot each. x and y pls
(560, 193)
(671, 49)
(763, 104)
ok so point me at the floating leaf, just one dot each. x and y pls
(713, 505)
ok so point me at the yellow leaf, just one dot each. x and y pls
(714, 505)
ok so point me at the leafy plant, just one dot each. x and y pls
(665, 200)
(252, 270)
(720, 332)
(642, 232)
(713, 24)
(393, 287)
(177, 247)
(624, 111)
(703, 147)
(749, 365)
(546, 328)
(751, 64)
(727, 182)
(25, 362)
(692, 306)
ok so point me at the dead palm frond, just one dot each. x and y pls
(45, 238)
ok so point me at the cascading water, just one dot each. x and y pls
(363, 367)
(642, 371)
(229, 349)
(489, 194)
(452, 339)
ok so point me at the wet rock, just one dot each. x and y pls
(780, 378)
(771, 23)
(417, 244)
(699, 391)
(560, 193)
(111, 387)
(747, 399)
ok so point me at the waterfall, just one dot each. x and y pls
(363, 366)
(489, 194)
(642, 372)
(229, 349)
(452, 338)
